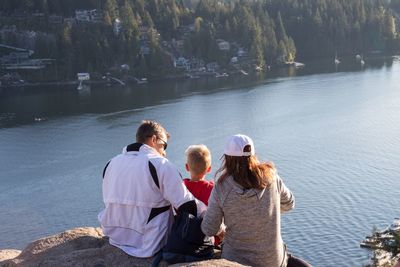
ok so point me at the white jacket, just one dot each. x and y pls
(139, 187)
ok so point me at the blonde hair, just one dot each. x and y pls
(198, 158)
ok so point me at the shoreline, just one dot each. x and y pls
(192, 75)
(130, 80)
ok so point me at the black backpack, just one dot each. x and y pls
(186, 242)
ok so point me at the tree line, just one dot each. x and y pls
(270, 30)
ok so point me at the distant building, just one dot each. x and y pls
(20, 15)
(212, 66)
(82, 15)
(6, 30)
(143, 29)
(182, 63)
(95, 15)
(69, 20)
(178, 44)
(185, 30)
(145, 49)
(55, 19)
(83, 76)
(125, 67)
(38, 16)
(92, 15)
(223, 45)
(14, 57)
(117, 26)
(197, 64)
(241, 52)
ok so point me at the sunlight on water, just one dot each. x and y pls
(333, 137)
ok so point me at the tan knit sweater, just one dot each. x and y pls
(253, 221)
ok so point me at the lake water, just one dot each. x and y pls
(334, 136)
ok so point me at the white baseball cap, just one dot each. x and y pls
(236, 144)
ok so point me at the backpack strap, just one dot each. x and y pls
(157, 259)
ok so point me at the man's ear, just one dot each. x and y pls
(187, 167)
(154, 139)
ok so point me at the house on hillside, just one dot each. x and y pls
(197, 64)
(223, 45)
(55, 19)
(182, 63)
(70, 20)
(144, 48)
(92, 15)
(178, 44)
(185, 30)
(38, 16)
(212, 67)
(20, 15)
(82, 15)
(95, 15)
(117, 26)
(242, 52)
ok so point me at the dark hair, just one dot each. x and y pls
(247, 171)
(149, 128)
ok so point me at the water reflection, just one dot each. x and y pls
(28, 103)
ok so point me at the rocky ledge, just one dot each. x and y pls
(84, 246)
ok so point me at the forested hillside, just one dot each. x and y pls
(148, 35)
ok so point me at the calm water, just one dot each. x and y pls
(334, 136)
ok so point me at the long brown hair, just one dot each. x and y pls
(247, 171)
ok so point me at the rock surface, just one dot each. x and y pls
(7, 254)
(82, 247)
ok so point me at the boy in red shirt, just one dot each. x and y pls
(198, 164)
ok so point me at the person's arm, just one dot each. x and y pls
(287, 197)
(212, 221)
(174, 190)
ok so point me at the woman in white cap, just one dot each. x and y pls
(248, 198)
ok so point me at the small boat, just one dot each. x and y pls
(112, 80)
(362, 62)
(337, 61)
(258, 68)
(295, 64)
(243, 72)
(80, 86)
(141, 80)
(221, 75)
(299, 65)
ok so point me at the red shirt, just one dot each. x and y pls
(200, 189)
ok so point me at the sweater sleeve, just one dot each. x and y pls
(212, 221)
(287, 197)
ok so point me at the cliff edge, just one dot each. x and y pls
(84, 246)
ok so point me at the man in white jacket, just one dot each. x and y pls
(140, 190)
